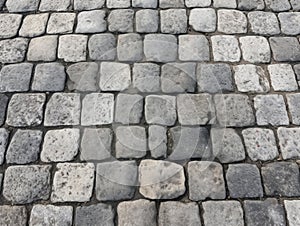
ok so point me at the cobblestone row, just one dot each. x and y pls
(150, 112)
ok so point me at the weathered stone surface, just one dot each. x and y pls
(144, 3)
(229, 213)
(98, 215)
(73, 182)
(160, 47)
(13, 215)
(55, 5)
(232, 21)
(285, 48)
(251, 78)
(160, 110)
(116, 180)
(3, 107)
(270, 110)
(83, 76)
(225, 4)
(161, 179)
(178, 77)
(197, 3)
(51, 215)
(87, 5)
(278, 5)
(263, 23)
(297, 71)
(178, 214)
(294, 107)
(9, 25)
(214, 78)
(141, 212)
(102, 47)
(255, 49)
(290, 23)
(147, 20)
(26, 184)
(206, 181)
(72, 48)
(244, 181)
(193, 48)
(118, 4)
(203, 20)
(97, 109)
(225, 48)
(61, 23)
(173, 21)
(22, 5)
(91, 21)
(281, 179)
(227, 145)
(282, 77)
(96, 144)
(15, 77)
(189, 142)
(3, 144)
(131, 142)
(251, 4)
(171, 4)
(267, 212)
(13, 50)
(60, 145)
(157, 141)
(114, 76)
(129, 108)
(288, 141)
(120, 20)
(130, 47)
(49, 77)
(146, 77)
(292, 209)
(24, 147)
(42, 48)
(295, 4)
(25, 110)
(234, 110)
(34, 25)
(63, 109)
(260, 144)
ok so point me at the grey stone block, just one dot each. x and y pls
(120, 20)
(34, 25)
(294, 107)
(13, 215)
(61, 23)
(56, 5)
(197, 3)
(288, 141)
(282, 77)
(144, 3)
(146, 77)
(285, 48)
(173, 21)
(295, 4)
(72, 48)
(3, 107)
(225, 48)
(42, 48)
(231, 4)
(102, 47)
(290, 23)
(9, 25)
(21, 6)
(87, 5)
(4, 135)
(232, 22)
(203, 20)
(263, 23)
(251, 4)
(146, 20)
(292, 209)
(118, 4)
(157, 141)
(278, 5)
(13, 50)
(171, 4)
(130, 47)
(193, 48)
(91, 21)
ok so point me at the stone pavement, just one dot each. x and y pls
(150, 112)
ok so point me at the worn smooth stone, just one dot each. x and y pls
(42, 48)
(292, 208)
(282, 77)
(61, 23)
(121, 20)
(91, 21)
(102, 47)
(146, 21)
(294, 107)
(34, 25)
(203, 20)
(130, 47)
(285, 48)
(193, 48)
(146, 77)
(157, 141)
(87, 5)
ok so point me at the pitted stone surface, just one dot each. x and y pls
(292, 208)
(203, 20)
(294, 107)
(282, 77)
(9, 25)
(288, 141)
(232, 22)
(173, 21)
(72, 48)
(4, 134)
(13, 215)
(13, 50)
(225, 48)
(61, 23)
(290, 23)
(263, 23)
(22, 5)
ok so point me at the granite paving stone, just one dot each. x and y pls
(54, 5)
(263, 23)
(251, 4)
(130, 47)
(22, 6)
(232, 4)
(157, 141)
(278, 5)
(145, 3)
(34, 25)
(288, 142)
(225, 48)
(13, 50)
(118, 4)
(3, 107)
(42, 48)
(91, 21)
(285, 48)
(9, 25)
(292, 208)
(72, 48)
(4, 135)
(120, 20)
(295, 4)
(173, 21)
(102, 47)
(147, 20)
(13, 215)
(232, 21)
(171, 4)
(294, 107)
(61, 23)
(88, 5)
(282, 77)
(290, 23)
(203, 20)
(197, 3)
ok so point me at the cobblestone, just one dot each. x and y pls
(294, 107)
(13, 50)
(91, 22)
(9, 25)
(251, 5)
(285, 48)
(121, 20)
(173, 21)
(290, 23)
(61, 23)
(232, 22)
(130, 47)
(146, 20)
(72, 48)
(282, 77)
(22, 5)
(290, 148)
(203, 20)
(3, 143)
(263, 23)
(56, 5)
(13, 215)
(102, 47)
(278, 5)
(34, 25)
(87, 5)
(42, 49)
(193, 48)
(292, 207)
(225, 48)
(3, 107)
(157, 141)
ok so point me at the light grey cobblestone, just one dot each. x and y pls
(292, 208)
(9, 25)
(263, 23)
(157, 141)
(34, 25)
(278, 5)
(72, 48)
(13, 50)
(171, 4)
(91, 21)
(289, 146)
(22, 5)
(130, 47)
(251, 4)
(42, 48)
(203, 20)
(173, 21)
(225, 4)
(102, 47)
(61, 23)
(56, 5)
(294, 107)
(290, 23)
(87, 5)
(4, 134)
(225, 48)
(193, 48)
(13, 215)
(145, 3)
(232, 21)
(146, 77)
(282, 77)
(147, 20)
(121, 20)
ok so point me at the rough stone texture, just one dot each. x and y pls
(87, 5)
(102, 47)
(25, 110)
(267, 212)
(131, 142)
(63, 109)
(26, 184)
(160, 110)
(15, 77)
(22, 5)
(203, 20)
(263, 23)
(3, 144)
(278, 5)
(232, 21)
(161, 179)
(206, 181)
(121, 20)
(51, 215)
(288, 141)
(116, 180)
(227, 145)
(96, 144)
(255, 49)
(49, 77)
(141, 212)
(173, 21)
(130, 47)
(9, 25)
(260, 144)
(197, 3)
(60, 145)
(118, 3)
(114, 76)
(234, 110)
(282, 77)
(225, 48)
(73, 182)
(229, 213)
(54, 5)
(3, 107)
(225, 4)
(292, 209)
(171, 4)
(251, 78)
(42, 49)
(13, 50)
(97, 109)
(146, 77)
(72, 48)
(290, 23)
(251, 4)
(157, 141)
(281, 179)
(61, 23)
(98, 215)
(34, 25)
(295, 4)
(147, 20)
(24, 147)
(270, 110)
(285, 48)
(91, 21)
(13, 215)
(193, 48)
(244, 181)
(294, 107)
(144, 3)
(160, 47)
(129, 108)
(178, 77)
(178, 214)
